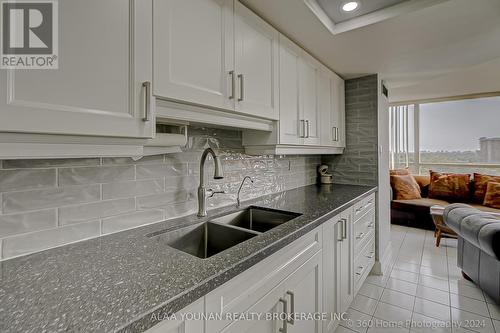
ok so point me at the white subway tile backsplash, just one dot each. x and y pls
(41, 240)
(181, 209)
(95, 210)
(12, 224)
(161, 170)
(13, 202)
(132, 188)
(46, 203)
(158, 200)
(127, 221)
(14, 180)
(92, 175)
(184, 182)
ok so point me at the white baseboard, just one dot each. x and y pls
(382, 266)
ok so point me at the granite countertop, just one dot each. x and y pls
(117, 282)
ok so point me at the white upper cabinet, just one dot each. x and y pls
(256, 64)
(194, 51)
(332, 105)
(337, 120)
(290, 129)
(105, 56)
(309, 99)
(216, 53)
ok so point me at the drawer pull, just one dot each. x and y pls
(344, 229)
(371, 255)
(285, 310)
(292, 307)
(148, 103)
(241, 78)
(360, 270)
(370, 225)
(233, 84)
(360, 236)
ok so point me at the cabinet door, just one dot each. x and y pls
(331, 237)
(267, 306)
(105, 55)
(178, 325)
(256, 64)
(337, 114)
(290, 130)
(345, 262)
(193, 51)
(326, 108)
(309, 99)
(304, 295)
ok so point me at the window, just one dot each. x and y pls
(452, 136)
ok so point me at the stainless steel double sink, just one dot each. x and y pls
(221, 233)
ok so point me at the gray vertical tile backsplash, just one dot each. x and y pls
(359, 163)
(52, 202)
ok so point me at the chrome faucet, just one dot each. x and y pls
(202, 192)
(238, 201)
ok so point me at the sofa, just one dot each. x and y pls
(478, 252)
(416, 212)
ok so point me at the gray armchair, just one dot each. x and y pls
(478, 246)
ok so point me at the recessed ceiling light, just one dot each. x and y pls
(350, 6)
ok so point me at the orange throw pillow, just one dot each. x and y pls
(449, 186)
(480, 183)
(406, 187)
(492, 197)
(399, 172)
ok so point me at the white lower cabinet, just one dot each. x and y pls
(301, 288)
(277, 285)
(338, 287)
(183, 322)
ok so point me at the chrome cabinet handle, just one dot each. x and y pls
(371, 255)
(344, 229)
(335, 134)
(285, 310)
(308, 129)
(360, 235)
(303, 128)
(370, 225)
(241, 78)
(148, 97)
(340, 235)
(291, 321)
(233, 84)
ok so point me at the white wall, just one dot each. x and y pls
(384, 213)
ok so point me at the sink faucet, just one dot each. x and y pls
(239, 190)
(202, 192)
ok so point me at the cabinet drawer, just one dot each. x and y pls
(363, 206)
(240, 293)
(364, 263)
(362, 229)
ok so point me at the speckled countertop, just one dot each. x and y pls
(116, 282)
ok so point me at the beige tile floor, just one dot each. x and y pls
(423, 287)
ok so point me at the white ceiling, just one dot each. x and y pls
(407, 50)
(333, 8)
